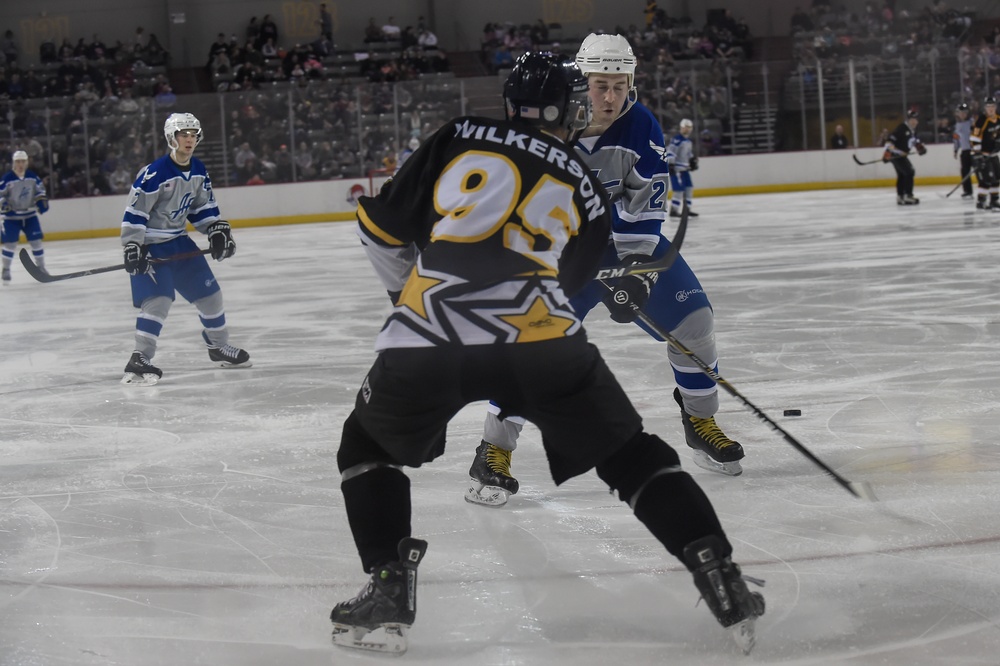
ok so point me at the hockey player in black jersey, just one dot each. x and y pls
(898, 145)
(985, 142)
(480, 240)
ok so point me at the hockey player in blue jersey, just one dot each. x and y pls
(166, 195)
(22, 200)
(624, 148)
(682, 160)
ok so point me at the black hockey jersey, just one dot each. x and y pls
(485, 231)
(902, 141)
(985, 134)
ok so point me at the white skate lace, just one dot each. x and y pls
(229, 350)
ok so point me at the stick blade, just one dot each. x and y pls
(33, 270)
(863, 490)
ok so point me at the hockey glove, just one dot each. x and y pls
(220, 238)
(887, 156)
(5, 207)
(136, 262)
(693, 163)
(921, 149)
(42, 205)
(630, 294)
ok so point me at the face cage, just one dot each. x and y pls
(579, 112)
(172, 141)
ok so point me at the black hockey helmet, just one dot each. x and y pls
(990, 100)
(912, 114)
(547, 90)
(962, 107)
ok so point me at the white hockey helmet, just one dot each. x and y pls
(180, 121)
(685, 124)
(19, 155)
(607, 54)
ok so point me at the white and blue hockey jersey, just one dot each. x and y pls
(22, 198)
(164, 199)
(679, 152)
(629, 159)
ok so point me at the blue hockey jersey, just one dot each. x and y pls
(164, 199)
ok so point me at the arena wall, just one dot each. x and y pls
(297, 203)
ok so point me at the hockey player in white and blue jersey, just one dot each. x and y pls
(682, 160)
(624, 148)
(166, 195)
(22, 200)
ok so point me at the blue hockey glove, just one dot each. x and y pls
(5, 207)
(136, 261)
(220, 239)
(630, 294)
(42, 205)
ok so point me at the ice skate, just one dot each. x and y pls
(712, 450)
(724, 590)
(140, 372)
(379, 617)
(227, 356)
(490, 482)
(5, 277)
(911, 200)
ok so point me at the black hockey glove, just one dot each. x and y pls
(693, 163)
(220, 238)
(921, 149)
(136, 262)
(630, 294)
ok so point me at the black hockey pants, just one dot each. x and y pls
(904, 176)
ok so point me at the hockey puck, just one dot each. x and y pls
(793, 412)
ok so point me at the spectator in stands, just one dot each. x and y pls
(502, 59)
(283, 164)
(269, 49)
(252, 31)
(839, 139)
(391, 31)
(127, 103)
(427, 39)
(268, 30)
(140, 40)
(8, 46)
(220, 45)
(245, 160)
(373, 33)
(325, 23)
(304, 162)
(539, 33)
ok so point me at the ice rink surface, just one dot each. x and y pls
(200, 521)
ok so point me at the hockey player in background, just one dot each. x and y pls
(898, 145)
(480, 239)
(961, 135)
(624, 147)
(681, 158)
(985, 143)
(22, 200)
(166, 195)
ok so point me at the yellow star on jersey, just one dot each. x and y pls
(413, 293)
(538, 323)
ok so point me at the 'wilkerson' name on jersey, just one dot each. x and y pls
(485, 230)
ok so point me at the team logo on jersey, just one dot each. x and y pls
(184, 207)
(146, 176)
(660, 150)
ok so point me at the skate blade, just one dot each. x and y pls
(705, 461)
(387, 638)
(145, 379)
(234, 366)
(745, 635)
(482, 495)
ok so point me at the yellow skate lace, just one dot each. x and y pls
(708, 430)
(498, 460)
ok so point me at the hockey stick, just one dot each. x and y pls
(960, 183)
(657, 265)
(861, 490)
(40, 275)
(860, 163)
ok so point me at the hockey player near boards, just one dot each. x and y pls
(900, 143)
(166, 195)
(682, 161)
(985, 143)
(961, 137)
(624, 145)
(22, 200)
(480, 240)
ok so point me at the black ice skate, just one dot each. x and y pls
(387, 604)
(490, 482)
(724, 590)
(140, 371)
(676, 213)
(712, 449)
(227, 356)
